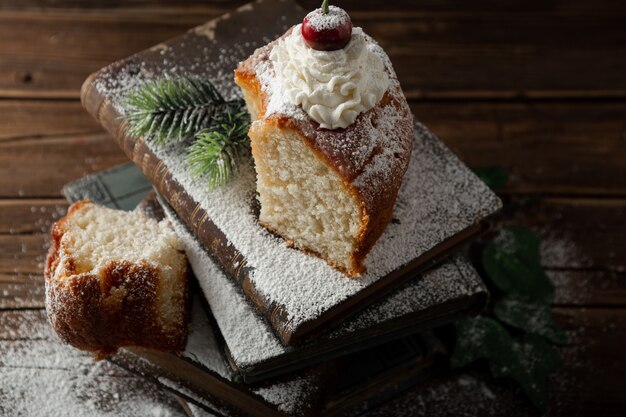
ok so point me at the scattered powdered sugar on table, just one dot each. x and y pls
(41, 377)
(288, 395)
(560, 251)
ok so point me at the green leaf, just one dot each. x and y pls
(534, 360)
(512, 262)
(481, 338)
(494, 176)
(529, 360)
(175, 109)
(214, 153)
(530, 317)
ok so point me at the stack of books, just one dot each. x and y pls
(275, 331)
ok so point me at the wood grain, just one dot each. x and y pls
(30, 216)
(40, 167)
(21, 290)
(437, 52)
(577, 233)
(571, 148)
(354, 6)
(38, 118)
(23, 254)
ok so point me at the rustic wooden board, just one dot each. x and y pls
(19, 291)
(586, 234)
(38, 118)
(29, 215)
(403, 7)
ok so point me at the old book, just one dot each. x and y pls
(440, 206)
(438, 296)
(345, 386)
(200, 375)
(443, 293)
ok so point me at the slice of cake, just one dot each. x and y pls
(331, 137)
(114, 279)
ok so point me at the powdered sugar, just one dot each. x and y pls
(202, 346)
(287, 394)
(335, 17)
(247, 335)
(250, 339)
(41, 377)
(383, 133)
(439, 198)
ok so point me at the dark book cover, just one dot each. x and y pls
(201, 375)
(440, 206)
(445, 292)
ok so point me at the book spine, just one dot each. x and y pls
(196, 218)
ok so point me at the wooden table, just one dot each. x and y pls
(537, 87)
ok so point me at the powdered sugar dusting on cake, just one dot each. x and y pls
(382, 134)
(334, 18)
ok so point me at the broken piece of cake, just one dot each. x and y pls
(331, 137)
(116, 279)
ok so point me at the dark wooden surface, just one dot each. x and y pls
(538, 87)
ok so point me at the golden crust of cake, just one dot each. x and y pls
(116, 305)
(371, 155)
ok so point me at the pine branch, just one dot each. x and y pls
(214, 153)
(177, 109)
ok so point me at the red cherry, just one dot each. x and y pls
(327, 31)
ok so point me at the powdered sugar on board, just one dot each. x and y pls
(439, 198)
(247, 335)
(202, 346)
(250, 339)
(39, 376)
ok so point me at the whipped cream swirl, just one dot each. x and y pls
(333, 87)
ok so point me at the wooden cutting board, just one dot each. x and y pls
(440, 206)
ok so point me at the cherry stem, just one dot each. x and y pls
(325, 6)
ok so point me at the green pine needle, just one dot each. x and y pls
(214, 152)
(167, 109)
